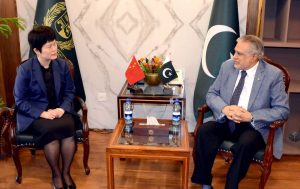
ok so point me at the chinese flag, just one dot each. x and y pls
(134, 73)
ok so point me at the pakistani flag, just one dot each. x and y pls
(167, 73)
(223, 30)
(53, 13)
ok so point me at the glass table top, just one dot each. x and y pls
(159, 90)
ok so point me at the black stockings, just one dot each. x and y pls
(52, 153)
(67, 151)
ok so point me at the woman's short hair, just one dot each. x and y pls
(39, 36)
(257, 46)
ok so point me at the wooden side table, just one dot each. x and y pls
(122, 147)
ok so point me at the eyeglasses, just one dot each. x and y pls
(243, 53)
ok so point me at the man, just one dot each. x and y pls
(246, 97)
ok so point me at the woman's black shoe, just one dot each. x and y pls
(54, 187)
(71, 186)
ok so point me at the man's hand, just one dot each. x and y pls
(237, 113)
(229, 111)
(244, 115)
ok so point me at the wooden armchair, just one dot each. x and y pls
(27, 140)
(262, 158)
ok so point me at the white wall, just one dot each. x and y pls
(108, 32)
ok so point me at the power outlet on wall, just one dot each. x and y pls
(101, 97)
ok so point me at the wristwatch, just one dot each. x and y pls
(252, 121)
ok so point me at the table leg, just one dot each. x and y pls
(185, 173)
(110, 171)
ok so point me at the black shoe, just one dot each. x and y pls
(210, 186)
(71, 186)
(54, 187)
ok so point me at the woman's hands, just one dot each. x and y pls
(52, 113)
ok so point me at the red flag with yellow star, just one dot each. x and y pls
(134, 73)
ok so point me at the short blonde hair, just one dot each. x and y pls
(257, 46)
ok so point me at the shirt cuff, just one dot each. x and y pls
(221, 118)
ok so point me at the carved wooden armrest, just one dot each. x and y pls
(201, 111)
(84, 110)
(10, 123)
(269, 146)
(83, 106)
(5, 114)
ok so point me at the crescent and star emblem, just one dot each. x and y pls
(165, 72)
(216, 29)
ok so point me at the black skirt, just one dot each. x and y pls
(48, 130)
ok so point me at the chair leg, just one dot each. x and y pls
(15, 154)
(86, 153)
(7, 145)
(194, 153)
(32, 151)
(264, 177)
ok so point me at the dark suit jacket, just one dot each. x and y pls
(31, 95)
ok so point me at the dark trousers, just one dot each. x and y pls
(210, 136)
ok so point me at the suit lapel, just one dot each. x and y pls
(56, 77)
(37, 72)
(259, 76)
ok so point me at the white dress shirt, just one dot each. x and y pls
(246, 91)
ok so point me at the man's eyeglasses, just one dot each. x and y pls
(243, 53)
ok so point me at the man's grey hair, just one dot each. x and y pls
(257, 46)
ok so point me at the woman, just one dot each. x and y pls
(44, 92)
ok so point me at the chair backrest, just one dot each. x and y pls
(286, 75)
(71, 67)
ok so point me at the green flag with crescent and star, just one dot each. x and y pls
(53, 13)
(167, 72)
(220, 40)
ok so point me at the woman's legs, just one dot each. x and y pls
(68, 147)
(57, 137)
(52, 153)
